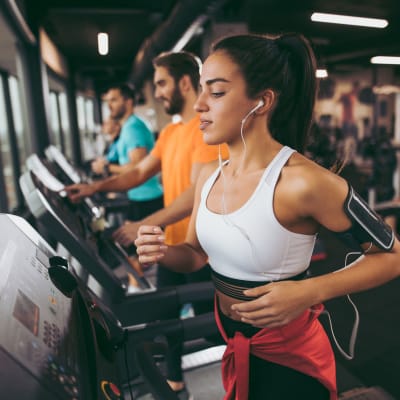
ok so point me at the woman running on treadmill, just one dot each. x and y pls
(256, 217)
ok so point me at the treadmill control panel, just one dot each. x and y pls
(46, 340)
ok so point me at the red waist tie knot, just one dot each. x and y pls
(302, 345)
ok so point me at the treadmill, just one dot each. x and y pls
(87, 217)
(69, 223)
(56, 341)
(114, 203)
(141, 312)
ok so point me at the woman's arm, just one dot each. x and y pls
(320, 195)
(185, 257)
(180, 208)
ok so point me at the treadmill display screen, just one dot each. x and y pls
(26, 312)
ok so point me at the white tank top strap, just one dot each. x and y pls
(274, 169)
(211, 179)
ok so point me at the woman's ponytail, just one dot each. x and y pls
(291, 120)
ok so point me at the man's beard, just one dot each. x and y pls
(175, 103)
(119, 113)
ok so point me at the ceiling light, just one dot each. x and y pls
(102, 43)
(349, 20)
(321, 73)
(385, 60)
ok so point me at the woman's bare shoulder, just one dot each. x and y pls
(207, 170)
(309, 174)
(305, 181)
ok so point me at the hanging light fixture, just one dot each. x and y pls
(385, 60)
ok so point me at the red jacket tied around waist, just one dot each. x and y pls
(302, 345)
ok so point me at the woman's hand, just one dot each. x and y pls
(277, 303)
(150, 244)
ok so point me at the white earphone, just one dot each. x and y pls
(253, 110)
(259, 105)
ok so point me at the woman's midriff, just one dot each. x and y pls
(225, 302)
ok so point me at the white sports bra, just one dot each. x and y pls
(250, 244)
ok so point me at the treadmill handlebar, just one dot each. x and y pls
(154, 304)
(196, 327)
(173, 296)
(192, 292)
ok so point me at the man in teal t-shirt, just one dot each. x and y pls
(135, 141)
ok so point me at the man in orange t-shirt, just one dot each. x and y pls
(179, 154)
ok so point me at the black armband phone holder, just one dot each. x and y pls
(367, 225)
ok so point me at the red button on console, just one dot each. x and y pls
(115, 389)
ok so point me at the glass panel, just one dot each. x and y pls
(85, 108)
(105, 110)
(6, 154)
(80, 107)
(18, 121)
(55, 134)
(94, 131)
(62, 98)
(89, 108)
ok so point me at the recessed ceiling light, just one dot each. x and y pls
(321, 73)
(102, 43)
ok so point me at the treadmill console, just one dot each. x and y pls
(49, 343)
(69, 173)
